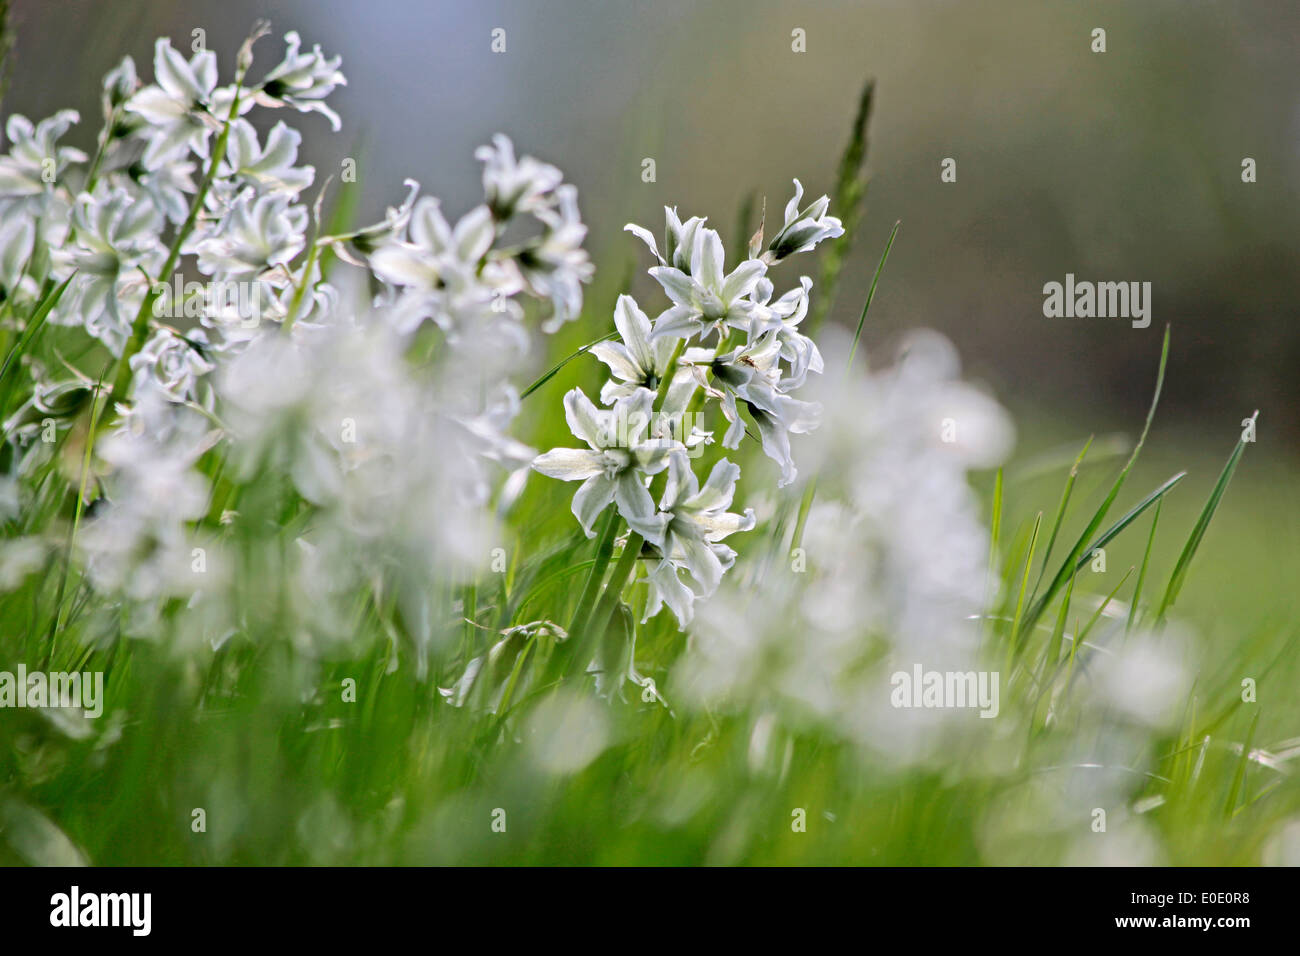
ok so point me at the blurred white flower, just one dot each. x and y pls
(35, 162)
(556, 265)
(169, 363)
(17, 234)
(890, 571)
(515, 186)
(138, 541)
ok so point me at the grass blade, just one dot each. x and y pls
(1014, 650)
(1067, 568)
(1128, 519)
(1142, 572)
(1198, 532)
(871, 293)
(1239, 777)
(1060, 512)
(847, 203)
(559, 365)
(37, 320)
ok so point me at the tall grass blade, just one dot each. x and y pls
(1067, 568)
(1198, 532)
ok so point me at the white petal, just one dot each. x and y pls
(585, 420)
(679, 322)
(677, 284)
(706, 261)
(718, 491)
(591, 499)
(742, 280)
(634, 327)
(646, 236)
(619, 360)
(569, 464)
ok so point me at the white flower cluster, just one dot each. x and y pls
(723, 340)
(387, 413)
(890, 571)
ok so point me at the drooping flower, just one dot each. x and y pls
(679, 239)
(697, 522)
(751, 374)
(783, 317)
(556, 265)
(803, 228)
(303, 80)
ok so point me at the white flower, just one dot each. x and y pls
(35, 162)
(17, 234)
(169, 187)
(368, 238)
(705, 300)
(803, 229)
(170, 364)
(679, 239)
(435, 249)
(556, 266)
(267, 169)
(116, 251)
(446, 275)
(303, 80)
(120, 83)
(783, 317)
(639, 362)
(515, 186)
(255, 241)
(616, 463)
(751, 374)
(177, 106)
(698, 521)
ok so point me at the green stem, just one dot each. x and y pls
(298, 293)
(92, 177)
(604, 550)
(60, 611)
